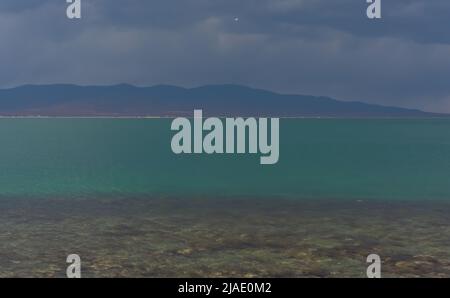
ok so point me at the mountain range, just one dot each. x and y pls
(164, 100)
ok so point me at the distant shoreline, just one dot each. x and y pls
(164, 101)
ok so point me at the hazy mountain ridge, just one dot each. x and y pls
(166, 100)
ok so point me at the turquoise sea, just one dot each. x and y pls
(319, 158)
(112, 191)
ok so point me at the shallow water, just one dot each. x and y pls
(112, 191)
(223, 237)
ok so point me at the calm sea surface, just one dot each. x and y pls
(364, 159)
(112, 191)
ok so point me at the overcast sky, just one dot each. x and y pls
(318, 47)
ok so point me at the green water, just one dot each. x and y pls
(319, 158)
(112, 191)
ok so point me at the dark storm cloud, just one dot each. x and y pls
(297, 46)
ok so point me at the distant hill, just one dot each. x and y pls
(218, 100)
